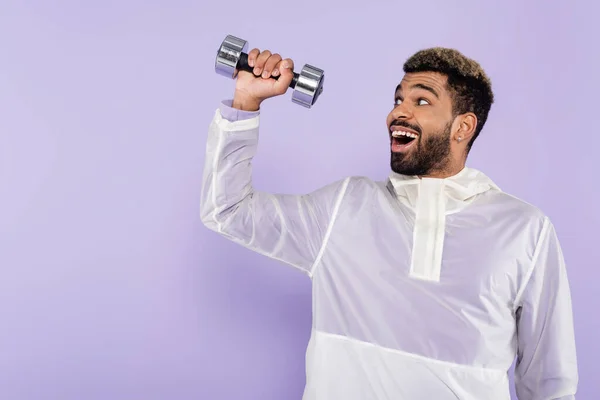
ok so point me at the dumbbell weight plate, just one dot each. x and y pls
(309, 86)
(229, 54)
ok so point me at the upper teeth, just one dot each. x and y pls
(403, 133)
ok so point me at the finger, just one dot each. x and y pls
(252, 57)
(260, 62)
(270, 65)
(288, 64)
(286, 70)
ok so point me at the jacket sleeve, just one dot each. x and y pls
(290, 228)
(546, 366)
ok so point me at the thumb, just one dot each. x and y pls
(286, 70)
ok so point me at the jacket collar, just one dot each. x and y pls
(458, 190)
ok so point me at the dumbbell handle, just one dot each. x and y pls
(242, 65)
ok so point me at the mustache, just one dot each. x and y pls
(406, 125)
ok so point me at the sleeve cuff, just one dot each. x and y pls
(233, 114)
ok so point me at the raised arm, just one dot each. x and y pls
(289, 228)
(547, 363)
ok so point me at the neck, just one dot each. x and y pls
(453, 167)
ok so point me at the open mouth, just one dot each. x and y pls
(402, 139)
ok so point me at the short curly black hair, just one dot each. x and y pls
(470, 87)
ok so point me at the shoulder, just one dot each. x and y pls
(357, 191)
(349, 188)
(515, 211)
(354, 184)
(512, 203)
(364, 185)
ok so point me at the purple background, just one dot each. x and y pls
(111, 288)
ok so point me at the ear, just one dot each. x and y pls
(465, 127)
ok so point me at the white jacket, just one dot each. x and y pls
(423, 289)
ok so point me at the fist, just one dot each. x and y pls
(252, 89)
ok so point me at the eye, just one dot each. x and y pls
(397, 101)
(421, 101)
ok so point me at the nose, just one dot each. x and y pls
(401, 111)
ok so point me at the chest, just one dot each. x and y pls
(364, 286)
(482, 262)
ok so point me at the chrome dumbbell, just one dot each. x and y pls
(233, 55)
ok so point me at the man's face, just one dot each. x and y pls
(420, 125)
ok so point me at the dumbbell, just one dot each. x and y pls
(232, 55)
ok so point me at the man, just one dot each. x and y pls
(427, 285)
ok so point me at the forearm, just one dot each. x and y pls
(227, 178)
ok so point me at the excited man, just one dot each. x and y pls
(426, 285)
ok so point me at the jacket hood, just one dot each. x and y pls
(456, 191)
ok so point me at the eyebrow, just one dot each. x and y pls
(421, 86)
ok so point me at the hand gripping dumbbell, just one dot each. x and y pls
(232, 55)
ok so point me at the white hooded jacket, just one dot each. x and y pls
(423, 289)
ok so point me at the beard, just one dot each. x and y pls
(429, 154)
